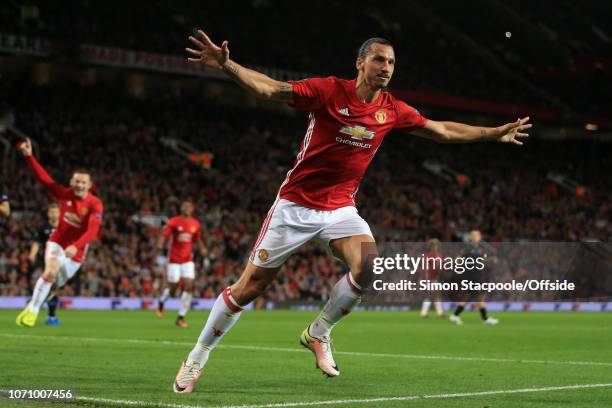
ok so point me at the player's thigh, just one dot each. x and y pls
(187, 270)
(252, 282)
(67, 271)
(354, 251)
(54, 258)
(350, 239)
(173, 273)
(287, 227)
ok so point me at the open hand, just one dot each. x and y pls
(207, 52)
(25, 147)
(509, 133)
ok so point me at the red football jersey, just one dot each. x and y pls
(342, 137)
(80, 218)
(183, 232)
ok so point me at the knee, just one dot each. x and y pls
(52, 267)
(187, 286)
(362, 271)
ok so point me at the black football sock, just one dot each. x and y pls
(52, 305)
(483, 313)
(458, 310)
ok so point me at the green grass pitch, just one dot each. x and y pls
(119, 356)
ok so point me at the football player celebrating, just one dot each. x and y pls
(79, 222)
(183, 231)
(348, 120)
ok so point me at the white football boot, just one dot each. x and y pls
(321, 348)
(186, 377)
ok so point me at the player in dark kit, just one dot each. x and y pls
(44, 233)
(475, 249)
(5, 207)
(347, 122)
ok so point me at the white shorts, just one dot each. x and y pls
(288, 226)
(177, 271)
(68, 267)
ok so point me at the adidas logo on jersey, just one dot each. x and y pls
(344, 111)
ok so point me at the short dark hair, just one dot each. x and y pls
(53, 205)
(81, 171)
(362, 52)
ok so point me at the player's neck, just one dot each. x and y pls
(365, 92)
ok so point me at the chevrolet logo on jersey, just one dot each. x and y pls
(358, 132)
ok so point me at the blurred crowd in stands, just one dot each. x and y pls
(503, 190)
(546, 53)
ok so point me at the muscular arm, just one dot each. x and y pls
(165, 233)
(93, 226)
(55, 189)
(213, 56)
(202, 249)
(160, 242)
(258, 83)
(453, 132)
(200, 243)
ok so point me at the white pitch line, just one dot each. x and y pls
(350, 401)
(299, 350)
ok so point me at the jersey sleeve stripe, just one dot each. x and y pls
(302, 152)
(264, 228)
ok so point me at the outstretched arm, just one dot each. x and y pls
(216, 57)
(55, 189)
(453, 132)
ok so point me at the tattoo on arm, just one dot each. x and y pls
(231, 68)
(483, 133)
(285, 92)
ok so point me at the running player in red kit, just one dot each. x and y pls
(348, 119)
(183, 231)
(80, 218)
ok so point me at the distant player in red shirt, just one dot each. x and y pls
(431, 272)
(348, 119)
(80, 218)
(183, 230)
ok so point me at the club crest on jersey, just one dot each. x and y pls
(263, 255)
(380, 116)
(358, 132)
(84, 211)
(192, 230)
(72, 219)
